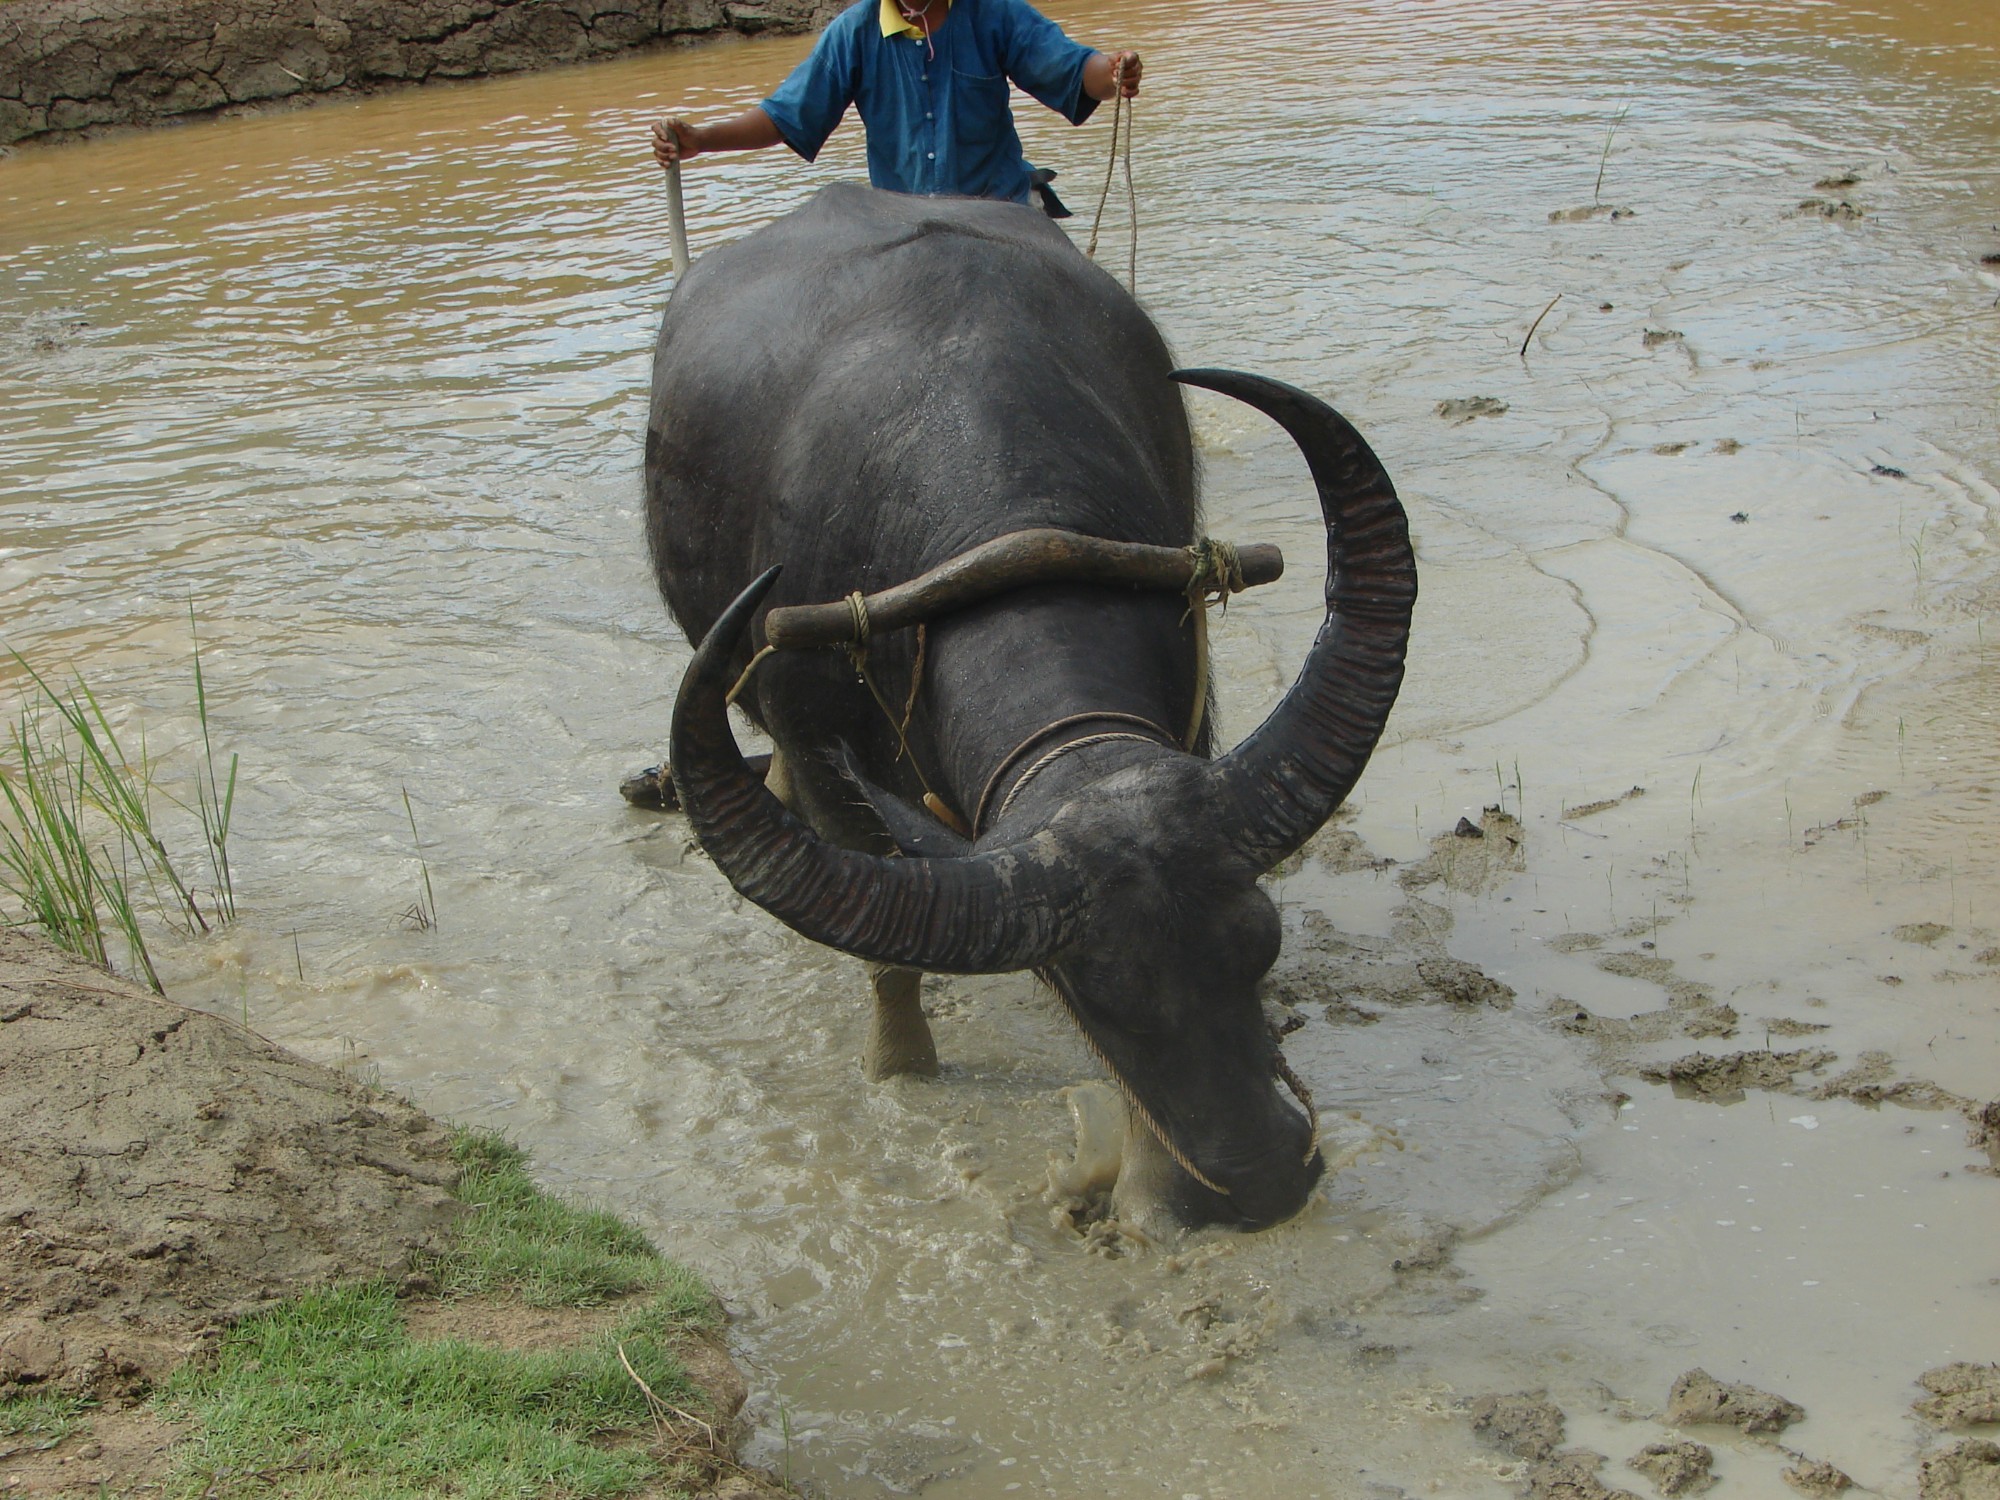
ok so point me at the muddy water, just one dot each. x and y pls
(366, 383)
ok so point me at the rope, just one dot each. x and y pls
(1119, 104)
(857, 610)
(1059, 752)
(863, 628)
(1218, 573)
(916, 681)
(1304, 1095)
(1013, 757)
(743, 682)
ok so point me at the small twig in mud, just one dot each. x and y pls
(1616, 120)
(677, 1428)
(663, 1409)
(1538, 323)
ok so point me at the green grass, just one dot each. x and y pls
(548, 1253)
(328, 1395)
(80, 842)
(43, 1419)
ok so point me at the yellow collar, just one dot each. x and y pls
(893, 23)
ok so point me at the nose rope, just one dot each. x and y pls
(1304, 1095)
(1145, 1115)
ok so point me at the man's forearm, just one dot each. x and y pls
(750, 131)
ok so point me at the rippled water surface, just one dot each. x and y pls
(365, 383)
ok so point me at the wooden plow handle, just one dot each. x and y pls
(1020, 558)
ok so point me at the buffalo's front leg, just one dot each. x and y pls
(899, 1038)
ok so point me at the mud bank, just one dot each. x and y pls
(75, 67)
(167, 1173)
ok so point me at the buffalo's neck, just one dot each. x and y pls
(1003, 676)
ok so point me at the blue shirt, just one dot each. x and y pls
(936, 113)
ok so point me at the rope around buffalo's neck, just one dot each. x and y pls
(1049, 759)
(1013, 757)
(1119, 105)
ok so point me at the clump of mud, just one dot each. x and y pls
(1527, 1425)
(1815, 1476)
(1680, 1467)
(1699, 1397)
(1970, 1471)
(166, 1172)
(1837, 209)
(1961, 1395)
(1473, 857)
(1461, 409)
(1701, 1075)
(1570, 1475)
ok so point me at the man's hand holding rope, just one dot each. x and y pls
(1112, 75)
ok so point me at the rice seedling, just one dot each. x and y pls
(115, 784)
(213, 804)
(422, 913)
(1604, 156)
(63, 876)
(80, 839)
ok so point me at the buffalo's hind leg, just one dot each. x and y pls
(899, 1038)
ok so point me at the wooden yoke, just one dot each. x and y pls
(1016, 560)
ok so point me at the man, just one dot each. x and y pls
(929, 79)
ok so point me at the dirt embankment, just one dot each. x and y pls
(165, 1172)
(70, 67)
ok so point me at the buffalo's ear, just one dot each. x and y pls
(914, 831)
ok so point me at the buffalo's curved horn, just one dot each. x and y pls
(989, 913)
(1286, 779)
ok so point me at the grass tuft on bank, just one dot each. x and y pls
(42, 1419)
(548, 1253)
(329, 1395)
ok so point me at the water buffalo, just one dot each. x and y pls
(868, 387)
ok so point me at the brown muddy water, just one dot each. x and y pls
(367, 383)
